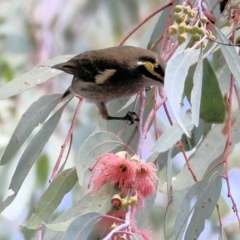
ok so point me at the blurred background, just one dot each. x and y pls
(32, 31)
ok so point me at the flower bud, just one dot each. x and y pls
(113, 226)
(122, 154)
(191, 14)
(125, 204)
(173, 29)
(196, 37)
(182, 27)
(182, 38)
(178, 8)
(178, 17)
(203, 20)
(187, 9)
(133, 200)
(116, 201)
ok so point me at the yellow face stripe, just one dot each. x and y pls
(150, 67)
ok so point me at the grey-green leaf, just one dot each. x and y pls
(30, 155)
(94, 147)
(34, 115)
(81, 227)
(204, 207)
(52, 197)
(173, 134)
(36, 76)
(175, 76)
(197, 92)
(230, 55)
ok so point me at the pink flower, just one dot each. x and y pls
(114, 170)
(126, 174)
(145, 179)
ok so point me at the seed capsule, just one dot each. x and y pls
(182, 38)
(178, 8)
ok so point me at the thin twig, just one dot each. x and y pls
(147, 125)
(144, 21)
(126, 224)
(55, 169)
(140, 124)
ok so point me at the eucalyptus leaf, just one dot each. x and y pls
(172, 134)
(52, 197)
(34, 77)
(30, 155)
(197, 91)
(94, 147)
(59, 227)
(175, 75)
(135, 236)
(212, 104)
(35, 114)
(143, 214)
(71, 213)
(101, 203)
(207, 193)
(222, 235)
(208, 150)
(204, 206)
(81, 227)
(231, 56)
(212, 107)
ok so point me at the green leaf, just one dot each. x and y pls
(94, 147)
(207, 192)
(81, 227)
(222, 235)
(197, 92)
(35, 115)
(34, 77)
(212, 103)
(30, 155)
(205, 205)
(101, 203)
(145, 41)
(53, 196)
(230, 54)
(71, 213)
(135, 236)
(173, 134)
(172, 212)
(212, 107)
(211, 148)
(42, 170)
(176, 72)
(142, 216)
(59, 227)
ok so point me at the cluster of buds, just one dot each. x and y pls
(187, 21)
(123, 201)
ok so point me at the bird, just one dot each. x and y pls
(112, 73)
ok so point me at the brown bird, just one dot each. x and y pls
(113, 73)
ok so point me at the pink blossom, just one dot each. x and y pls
(145, 179)
(114, 170)
(125, 173)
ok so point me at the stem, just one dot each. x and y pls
(70, 132)
(144, 21)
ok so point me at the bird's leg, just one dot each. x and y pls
(130, 116)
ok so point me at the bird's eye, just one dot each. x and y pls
(156, 67)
